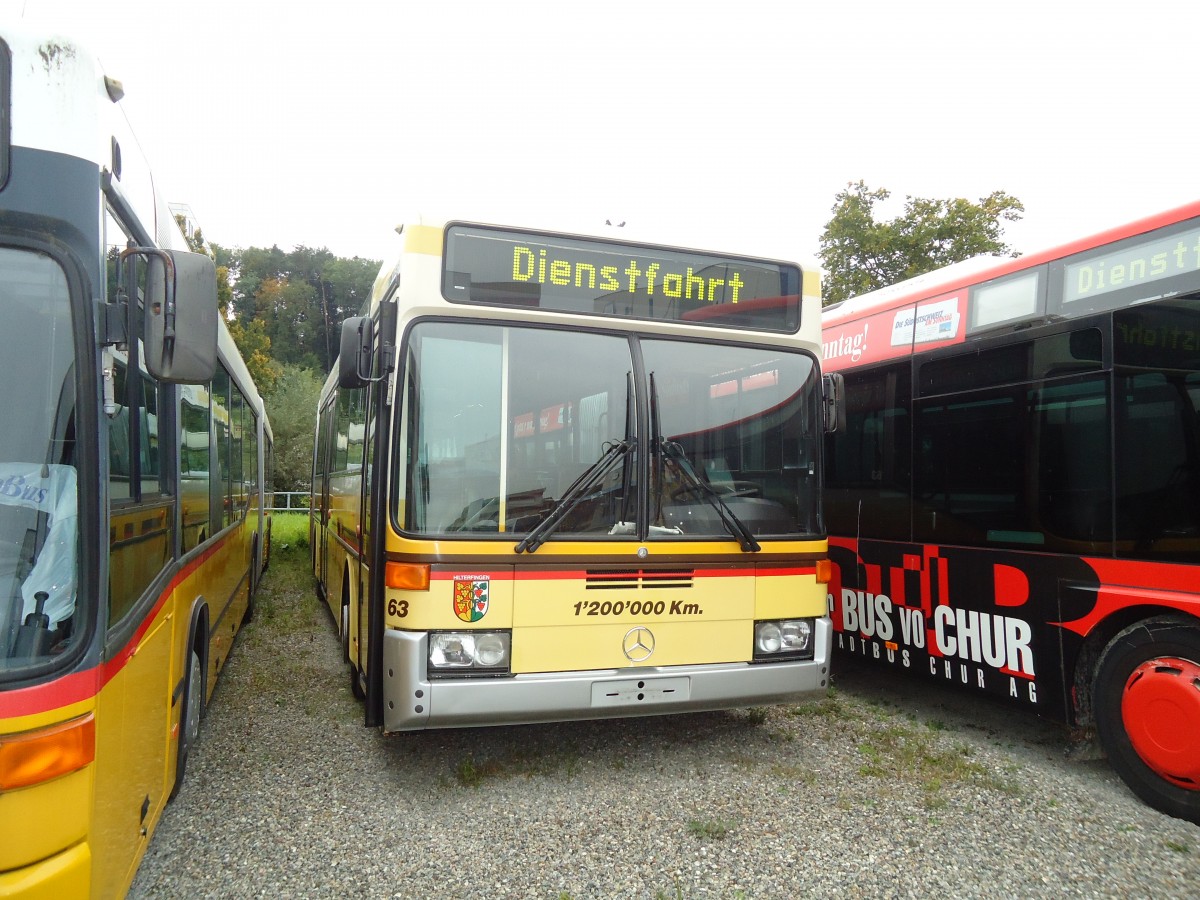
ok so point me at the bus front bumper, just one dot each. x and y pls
(66, 874)
(412, 702)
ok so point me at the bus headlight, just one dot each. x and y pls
(478, 651)
(783, 639)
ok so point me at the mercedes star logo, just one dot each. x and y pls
(638, 644)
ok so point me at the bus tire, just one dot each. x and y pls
(248, 615)
(1147, 708)
(355, 684)
(189, 717)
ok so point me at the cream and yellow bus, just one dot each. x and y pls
(560, 476)
(133, 470)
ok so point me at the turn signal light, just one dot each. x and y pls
(824, 570)
(37, 756)
(406, 576)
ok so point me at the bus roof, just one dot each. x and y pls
(984, 268)
(1158, 256)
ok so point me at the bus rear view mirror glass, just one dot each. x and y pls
(354, 352)
(835, 401)
(179, 333)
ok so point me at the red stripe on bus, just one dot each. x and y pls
(78, 686)
(622, 574)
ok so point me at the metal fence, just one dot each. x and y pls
(292, 501)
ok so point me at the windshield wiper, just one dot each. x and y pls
(594, 474)
(674, 452)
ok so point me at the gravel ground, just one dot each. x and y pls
(882, 788)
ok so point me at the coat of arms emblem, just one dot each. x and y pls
(471, 597)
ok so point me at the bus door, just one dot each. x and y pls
(321, 489)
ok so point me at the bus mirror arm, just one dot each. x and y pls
(834, 401)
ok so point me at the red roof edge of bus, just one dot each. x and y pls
(899, 297)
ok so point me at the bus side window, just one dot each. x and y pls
(141, 519)
(1074, 471)
(1158, 505)
(222, 449)
(871, 459)
(194, 488)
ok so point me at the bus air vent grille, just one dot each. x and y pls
(638, 579)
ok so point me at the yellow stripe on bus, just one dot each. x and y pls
(600, 552)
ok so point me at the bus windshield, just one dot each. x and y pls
(503, 421)
(38, 494)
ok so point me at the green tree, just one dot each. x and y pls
(861, 253)
(302, 297)
(255, 348)
(288, 313)
(251, 337)
(292, 409)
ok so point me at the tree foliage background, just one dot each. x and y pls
(285, 313)
(861, 253)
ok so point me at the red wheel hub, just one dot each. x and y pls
(1161, 711)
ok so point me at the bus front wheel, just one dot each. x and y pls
(1147, 706)
(355, 684)
(193, 708)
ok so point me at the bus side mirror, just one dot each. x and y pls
(354, 352)
(179, 331)
(833, 390)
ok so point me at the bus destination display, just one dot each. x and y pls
(578, 275)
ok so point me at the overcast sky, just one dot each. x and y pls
(729, 124)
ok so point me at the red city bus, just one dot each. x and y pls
(1014, 503)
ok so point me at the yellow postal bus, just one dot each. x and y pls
(562, 477)
(132, 476)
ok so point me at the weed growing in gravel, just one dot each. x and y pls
(527, 763)
(794, 773)
(756, 715)
(829, 706)
(710, 829)
(1178, 847)
(899, 751)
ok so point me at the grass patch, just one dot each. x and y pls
(710, 829)
(470, 772)
(289, 530)
(913, 755)
(830, 706)
(288, 591)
